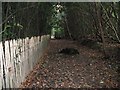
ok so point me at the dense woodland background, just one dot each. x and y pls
(96, 23)
(84, 50)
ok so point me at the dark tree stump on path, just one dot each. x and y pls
(69, 51)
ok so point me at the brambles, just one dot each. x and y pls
(91, 44)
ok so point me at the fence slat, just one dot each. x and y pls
(21, 55)
(8, 64)
(12, 75)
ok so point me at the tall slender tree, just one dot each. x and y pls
(119, 20)
(99, 16)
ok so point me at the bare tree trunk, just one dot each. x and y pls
(99, 16)
(68, 28)
(119, 20)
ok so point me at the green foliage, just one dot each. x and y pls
(8, 33)
(26, 19)
(57, 21)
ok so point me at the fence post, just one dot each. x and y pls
(1, 65)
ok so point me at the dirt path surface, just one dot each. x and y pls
(86, 70)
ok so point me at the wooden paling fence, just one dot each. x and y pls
(18, 57)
